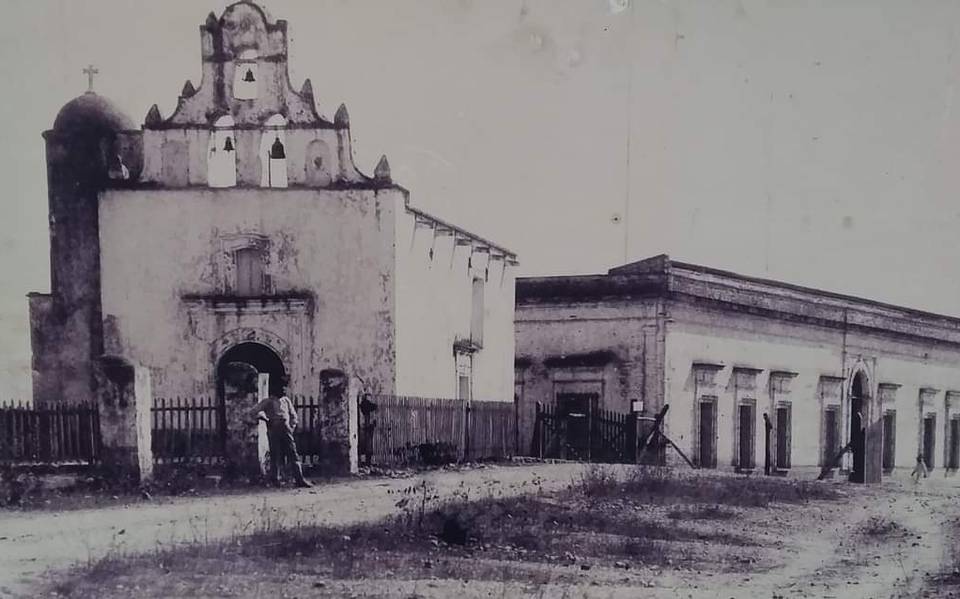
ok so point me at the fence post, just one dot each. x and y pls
(124, 400)
(538, 429)
(354, 390)
(242, 434)
(338, 410)
(466, 431)
(630, 438)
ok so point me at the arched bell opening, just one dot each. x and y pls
(222, 154)
(273, 152)
(246, 76)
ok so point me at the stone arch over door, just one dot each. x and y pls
(261, 357)
(250, 335)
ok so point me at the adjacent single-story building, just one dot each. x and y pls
(729, 353)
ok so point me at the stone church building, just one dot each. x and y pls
(729, 353)
(239, 229)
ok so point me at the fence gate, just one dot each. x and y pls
(572, 433)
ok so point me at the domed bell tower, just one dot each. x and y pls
(91, 147)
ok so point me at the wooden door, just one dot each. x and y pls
(783, 437)
(707, 454)
(747, 418)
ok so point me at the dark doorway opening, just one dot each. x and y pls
(831, 434)
(953, 456)
(745, 454)
(889, 440)
(783, 437)
(929, 439)
(261, 357)
(857, 428)
(576, 410)
(707, 451)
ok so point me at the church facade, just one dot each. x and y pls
(239, 229)
(751, 369)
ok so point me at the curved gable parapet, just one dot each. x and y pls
(245, 75)
(244, 46)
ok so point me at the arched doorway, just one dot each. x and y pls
(858, 422)
(263, 359)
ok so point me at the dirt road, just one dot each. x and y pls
(874, 542)
(32, 543)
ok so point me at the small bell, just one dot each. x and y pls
(228, 145)
(276, 150)
(249, 76)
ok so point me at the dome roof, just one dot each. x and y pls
(91, 112)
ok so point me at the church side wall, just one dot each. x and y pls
(730, 357)
(435, 298)
(168, 270)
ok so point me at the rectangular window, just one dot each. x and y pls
(249, 264)
(707, 447)
(746, 429)
(463, 387)
(476, 318)
(889, 440)
(831, 434)
(929, 439)
(954, 454)
(783, 436)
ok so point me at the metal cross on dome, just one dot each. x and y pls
(90, 71)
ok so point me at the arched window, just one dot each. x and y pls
(222, 154)
(319, 164)
(246, 76)
(273, 152)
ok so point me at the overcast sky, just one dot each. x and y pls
(811, 142)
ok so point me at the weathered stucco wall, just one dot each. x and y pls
(435, 282)
(168, 271)
(610, 348)
(724, 341)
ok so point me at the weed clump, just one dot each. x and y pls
(659, 485)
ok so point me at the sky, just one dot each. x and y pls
(804, 141)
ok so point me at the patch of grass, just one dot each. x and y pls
(882, 528)
(601, 520)
(701, 512)
(657, 485)
(597, 481)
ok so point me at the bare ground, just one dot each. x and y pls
(33, 543)
(891, 540)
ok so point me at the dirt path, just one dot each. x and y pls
(880, 544)
(30, 544)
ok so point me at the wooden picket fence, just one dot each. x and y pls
(192, 430)
(403, 430)
(308, 434)
(49, 434)
(187, 429)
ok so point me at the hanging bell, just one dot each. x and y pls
(228, 145)
(249, 76)
(276, 150)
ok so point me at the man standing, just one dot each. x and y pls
(281, 417)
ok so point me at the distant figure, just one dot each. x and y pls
(281, 418)
(920, 468)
